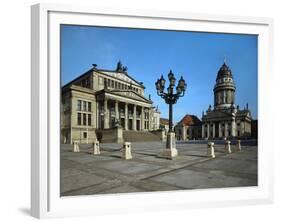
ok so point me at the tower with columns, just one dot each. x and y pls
(225, 119)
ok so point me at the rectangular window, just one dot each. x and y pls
(85, 135)
(89, 106)
(84, 108)
(79, 104)
(84, 119)
(112, 83)
(79, 119)
(119, 85)
(89, 119)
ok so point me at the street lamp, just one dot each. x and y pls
(170, 98)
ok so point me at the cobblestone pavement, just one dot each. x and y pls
(85, 174)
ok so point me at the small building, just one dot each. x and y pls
(226, 119)
(189, 128)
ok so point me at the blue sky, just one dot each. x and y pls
(197, 56)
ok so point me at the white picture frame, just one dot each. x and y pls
(45, 197)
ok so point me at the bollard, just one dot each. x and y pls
(238, 145)
(96, 147)
(76, 148)
(227, 146)
(126, 151)
(210, 150)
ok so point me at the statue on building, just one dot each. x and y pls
(120, 67)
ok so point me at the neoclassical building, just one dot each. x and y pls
(103, 99)
(226, 119)
(188, 128)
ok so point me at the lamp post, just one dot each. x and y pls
(170, 98)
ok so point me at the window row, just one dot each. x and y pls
(85, 83)
(118, 85)
(84, 119)
(84, 106)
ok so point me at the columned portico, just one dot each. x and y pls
(131, 116)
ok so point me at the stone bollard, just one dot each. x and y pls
(210, 150)
(96, 147)
(227, 146)
(76, 147)
(126, 151)
(238, 145)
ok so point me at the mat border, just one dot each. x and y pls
(46, 204)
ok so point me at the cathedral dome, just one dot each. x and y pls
(224, 71)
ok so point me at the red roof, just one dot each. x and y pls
(164, 121)
(190, 120)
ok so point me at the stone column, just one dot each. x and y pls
(150, 119)
(142, 118)
(116, 110)
(106, 114)
(203, 130)
(126, 116)
(135, 118)
(208, 130)
(220, 130)
(183, 133)
(233, 131)
(214, 130)
(97, 126)
(225, 129)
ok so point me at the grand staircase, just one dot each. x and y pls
(139, 136)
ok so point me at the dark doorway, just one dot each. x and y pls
(138, 124)
(130, 124)
(216, 129)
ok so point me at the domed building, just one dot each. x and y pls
(225, 119)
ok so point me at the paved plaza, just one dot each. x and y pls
(85, 174)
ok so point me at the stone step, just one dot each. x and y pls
(138, 136)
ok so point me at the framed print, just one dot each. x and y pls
(141, 110)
